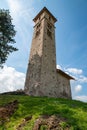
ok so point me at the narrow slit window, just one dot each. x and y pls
(49, 26)
(37, 32)
(49, 33)
(49, 18)
(38, 26)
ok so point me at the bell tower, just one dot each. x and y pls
(41, 76)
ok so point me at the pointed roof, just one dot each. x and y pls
(46, 10)
(65, 74)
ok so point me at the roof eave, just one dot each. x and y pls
(44, 9)
(65, 74)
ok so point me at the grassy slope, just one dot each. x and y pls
(74, 111)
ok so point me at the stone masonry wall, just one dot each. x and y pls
(48, 69)
(63, 86)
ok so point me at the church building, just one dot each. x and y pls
(42, 78)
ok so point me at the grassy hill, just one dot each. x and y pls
(68, 114)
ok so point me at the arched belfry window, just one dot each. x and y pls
(37, 32)
(37, 29)
(49, 26)
(38, 26)
(49, 18)
(49, 33)
(49, 30)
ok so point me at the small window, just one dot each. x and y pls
(53, 60)
(38, 26)
(44, 72)
(49, 26)
(49, 33)
(49, 18)
(45, 55)
(37, 33)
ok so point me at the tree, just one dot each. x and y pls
(7, 34)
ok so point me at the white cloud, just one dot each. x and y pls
(74, 71)
(58, 67)
(82, 79)
(78, 74)
(15, 6)
(81, 98)
(20, 9)
(78, 88)
(11, 79)
(22, 14)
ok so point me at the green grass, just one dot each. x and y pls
(75, 112)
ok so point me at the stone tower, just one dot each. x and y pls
(42, 78)
(41, 74)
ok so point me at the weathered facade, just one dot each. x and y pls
(63, 81)
(42, 78)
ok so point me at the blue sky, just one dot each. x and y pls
(71, 41)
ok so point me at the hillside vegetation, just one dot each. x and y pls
(40, 113)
